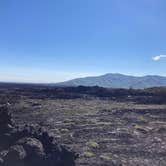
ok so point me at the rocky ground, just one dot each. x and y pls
(103, 132)
(107, 127)
(30, 145)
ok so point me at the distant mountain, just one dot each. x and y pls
(118, 81)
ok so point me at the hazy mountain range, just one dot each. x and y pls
(118, 81)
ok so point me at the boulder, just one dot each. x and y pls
(30, 145)
(14, 156)
(34, 150)
(6, 121)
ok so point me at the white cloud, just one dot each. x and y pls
(157, 58)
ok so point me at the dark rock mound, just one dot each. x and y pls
(30, 145)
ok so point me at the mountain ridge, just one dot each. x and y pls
(117, 80)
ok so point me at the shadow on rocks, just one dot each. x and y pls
(30, 145)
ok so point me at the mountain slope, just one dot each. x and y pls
(117, 81)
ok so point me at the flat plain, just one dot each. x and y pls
(104, 131)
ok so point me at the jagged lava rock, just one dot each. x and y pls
(30, 145)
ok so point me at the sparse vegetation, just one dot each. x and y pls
(142, 119)
(105, 157)
(88, 154)
(92, 144)
(102, 125)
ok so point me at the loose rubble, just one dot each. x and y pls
(30, 145)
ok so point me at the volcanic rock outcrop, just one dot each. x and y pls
(30, 145)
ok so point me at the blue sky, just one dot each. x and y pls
(56, 40)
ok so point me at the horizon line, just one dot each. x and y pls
(42, 82)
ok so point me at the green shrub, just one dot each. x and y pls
(92, 144)
(88, 154)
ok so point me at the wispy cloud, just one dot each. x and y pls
(157, 58)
